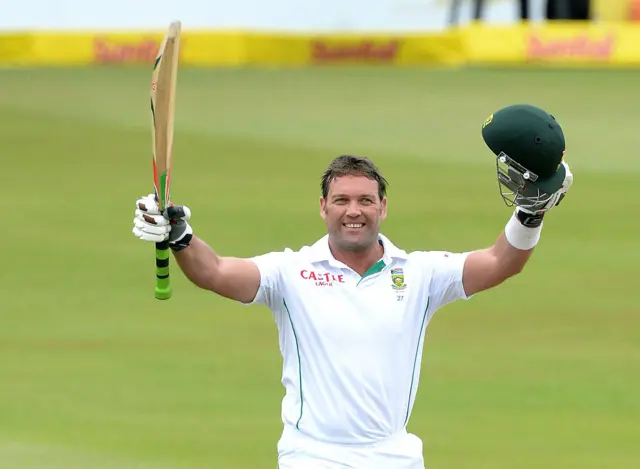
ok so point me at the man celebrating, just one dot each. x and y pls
(352, 308)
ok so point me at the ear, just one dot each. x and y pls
(383, 208)
(323, 206)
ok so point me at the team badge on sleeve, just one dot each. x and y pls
(397, 277)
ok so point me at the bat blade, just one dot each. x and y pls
(162, 101)
(162, 97)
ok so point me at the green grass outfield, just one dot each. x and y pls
(540, 373)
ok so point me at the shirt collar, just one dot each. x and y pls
(319, 251)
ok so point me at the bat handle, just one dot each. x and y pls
(163, 283)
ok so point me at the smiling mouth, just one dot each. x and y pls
(353, 225)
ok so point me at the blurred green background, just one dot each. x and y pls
(541, 372)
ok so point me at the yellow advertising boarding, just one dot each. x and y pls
(602, 44)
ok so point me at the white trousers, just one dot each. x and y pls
(297, 451)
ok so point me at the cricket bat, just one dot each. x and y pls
(163, 95)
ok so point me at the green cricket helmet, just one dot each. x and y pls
(529, 146)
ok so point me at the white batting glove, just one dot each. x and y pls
(557, 196)
(560, 193)
(150, 225)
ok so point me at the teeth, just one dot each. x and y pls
(352, 225)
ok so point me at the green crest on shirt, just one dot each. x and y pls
(397, 277)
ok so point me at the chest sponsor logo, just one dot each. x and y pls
(322, 279)
(397, 280)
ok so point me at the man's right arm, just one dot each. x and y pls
(234, 278)
(231, 277)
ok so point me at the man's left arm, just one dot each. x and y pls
(487, 268)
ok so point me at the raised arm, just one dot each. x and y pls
(529, 147)
(487, 268)
(234, 278)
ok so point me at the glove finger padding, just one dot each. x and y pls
(145, 227)
(148, 204)
(148, 232)
(157, 220)
(562, 192)
(568, 178)
(155, 238)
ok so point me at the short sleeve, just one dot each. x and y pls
(446, 277)
(270, 266)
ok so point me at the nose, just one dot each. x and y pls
(353, 210)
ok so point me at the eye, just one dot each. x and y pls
(339, 201)
(366, 201)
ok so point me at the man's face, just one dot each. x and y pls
(353, 212)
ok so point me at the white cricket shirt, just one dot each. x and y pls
(352, 345)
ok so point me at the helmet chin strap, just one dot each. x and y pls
(515, 184)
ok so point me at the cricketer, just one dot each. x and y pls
(352, 308)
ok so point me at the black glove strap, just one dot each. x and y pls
(183, 243)
(529, 220)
